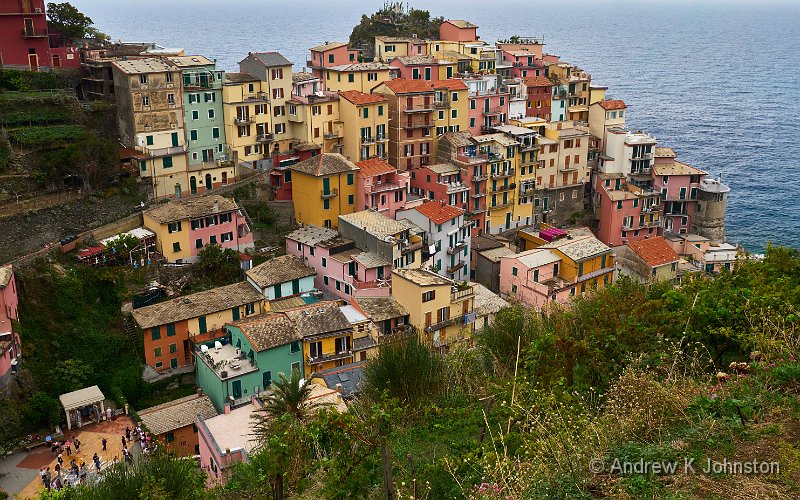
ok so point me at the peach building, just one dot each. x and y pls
(382, 187)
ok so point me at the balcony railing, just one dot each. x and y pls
(419, 108)
(265, 137)
(258, 96)
(500, 189)
(455, 187)
(493, 111)
(242, 120)
(455, 249)
(445, 103)
(455, 268)
(503, 204)
(33, 33)
(411, 248)
(332, 135)
(366, 141)
(417, 124)
(504, 173)
(381, 138)
(461, 294)
(383, 186)
(526, 190)
(478, 195)
(330, 193)
(313, 360)
(444, 324)
(476, 158)
(173, 150)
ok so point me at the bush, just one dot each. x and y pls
(406, 369)
(45, 137)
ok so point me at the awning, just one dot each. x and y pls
(82, 397)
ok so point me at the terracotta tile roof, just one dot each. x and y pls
(654, 251)
(609, 105)
(324, 164)
(239, 78)
(665, 153)
(302, 76)
(196, 304)
(460, 23)
(360, 98)
(374, 166)
(312, 235)
(306, 146)
(319, 320)
(406, 86)
(451, 84)
(279, 270)
(459, 139)
(266, 331)
(191, 208)
(175, 414)
(486, 302)
(376, 224)
(361, 66)
(417, 60)
(537, 81)
(327, 46)
(381, 308)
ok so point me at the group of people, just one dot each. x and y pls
(63, 445)
(133, 435)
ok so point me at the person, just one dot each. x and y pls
(96, 460)
(124, 442)
(48, 476)
(77, 443)
(105, 442)
(60, 458)
(128, 432)
(84, 471)
(109, 414)
(68, 447)
(43, 476)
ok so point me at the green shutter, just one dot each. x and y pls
(171, 330)
(174, 138)
(201, 323)
(167, 161)
(235, 313)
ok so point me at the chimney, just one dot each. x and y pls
(227, 408)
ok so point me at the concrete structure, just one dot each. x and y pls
(487, 305)
(330, 54)
(451, 100)
(315, 119)
(604, 115)
(390, 47)
(487, 266)
(171, 328)
(361, 76)
(247, 116)
(539, 93)
(382, 187)
(74, 402)
(626, 212)
(441, 181)
(712, 201)
(174, 424)
(275, 73)
(439, 308)
(388, 315)
(679, 185)
(416, 67)
(184, 227)
(323, 188)
(458, 30)
(280, 176)
(446, 238)
(461, 149)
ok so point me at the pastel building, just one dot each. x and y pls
(315, 119)
(649, 260)
(327, 336)
(458, 30)
(276, 72)
(605, 115)
(461, 149)
(446, 237)
(281, 277)
(280, 176)
(626, 212)
(539, 93)
(441, 181)
(396, 241)
(381, 187)
(390, 47)
(26, 42)
(360, 76)
(247, 117)
(679, 185)
(365, 123)
(171, 328)
(173, 424)
(452, 106)
(10, 347)
(416, 67)
(330, 54)
(487, 109)
(184, 227)
(323, 188)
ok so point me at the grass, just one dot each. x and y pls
(45, 135)
(28, 94)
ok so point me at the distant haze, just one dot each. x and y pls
(718, 81)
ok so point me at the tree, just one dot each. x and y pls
(218, 264)
(68, 21)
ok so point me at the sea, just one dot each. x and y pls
(717, 80)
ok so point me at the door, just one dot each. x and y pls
(224, 178)
(508, 220)
(177, 190)
(28, 26)
(267, 379)
(326, 185)
(208, 182)
(193, 185)
(56, 61)
(205, 155)
(33, 62)
(236, 387)
(174, 139)
(173, 363)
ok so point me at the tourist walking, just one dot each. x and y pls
(46, 477)
(77, 443)
(60, 458)
(68, 447)
(96, 460)
(105, 442)
(128, 432)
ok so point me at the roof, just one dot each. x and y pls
(514, 130)
(665, 153)
(359, 66)
(537, 81)
(376, 224)
(406, 86)
(443, 168)
(319, 319)
(279, 270)
(196, 304)
(190, 61)
(536, 258)
(234, 429)
(146, 65)
(675, 168)
(266, 331)
(579, 247)
(191, 208)
(451, 84)
(270, 59)
(654, 251)
(6, 272)
(302, 76)
(324, 164)
(417, 60)
(422, 277)
(484, 242)
(439, 212)
(460, 23)
(327, 46)
(360, 98)
(371, 260)
(293, 302)
(459, 139)
(81, 397)
(311, 235)
(239, 78)
(306, 146)
(398, 39)
(381, 308)
(501, 139)
(175, 414)
(348, 377)
(612, 104)
(352, 314)
(486, 301)
(139, 233)
(494, 254)
(374, 166)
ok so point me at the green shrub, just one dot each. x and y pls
(44, 136)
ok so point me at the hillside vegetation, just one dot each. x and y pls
(393, 20)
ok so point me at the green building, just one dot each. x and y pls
(201, 85)
(256, 351)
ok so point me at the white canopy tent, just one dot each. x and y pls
(81, 398)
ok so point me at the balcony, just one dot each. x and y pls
(242, 120)
(366, 141)
(381, 138)
(461, 294)
(567, 168)
(504, 173)
(500, 189)
(480, 177)
(444, 324)
(455, 187)
(157, 152)
(313, 360)
(332, 135)
(265, 137)
(33, 33)
(443, 104)
(457, 248)
(419, 108)
(500, 205)
(255, 97)
(413, 247)
(382, 187)
(527, 190)
(411, 124)
(478, 195)
(493, 111)
(476, 158)
(330, 193)
(454, 269)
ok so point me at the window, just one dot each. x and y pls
(176, 247)
(170, 437)
(195, 114)
(342, 344)
(350, 179)
(211, 114)
(143, 79)
(315, 349)
(429, 296)
(366, 112)
(193, 135)
(157, 352)
(277, 93)
(174, 227)
(514, 271)
(351, 77)
(171, 99)
(350, 199)
(277, 73)
(295, 347)
(155, 333)
(380, 110)
(173, 348)
(324, 262)
(215, 132)
(326, 204)
(171, 330)
(280, 128)
(209, 97)
(149, 140)
(145, 100)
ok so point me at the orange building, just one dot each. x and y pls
(172, 424)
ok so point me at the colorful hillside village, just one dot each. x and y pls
(431, 187)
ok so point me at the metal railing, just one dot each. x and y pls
(330, 193)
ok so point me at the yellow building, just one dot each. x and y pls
(356, 76)
(501, 191)
(275, 73)
(314, 118)
(389, 47)
(452, 106)
(323, 187)
(579, 88)
(441, 309)
(164, 168)
(246, 112)
(365, 120)
(327, 336)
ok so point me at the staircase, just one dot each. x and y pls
(246, 217)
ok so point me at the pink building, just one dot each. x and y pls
(342, 269)
(226, 440)
(458, 30)
(305, 84)
(441, 182)
(531, 278)
(626, 212)
(280, 177)
(381, 186)
(416, 67)
(330, 54)
(487, 110)
(679, 185)
(523, 63)
(10, 349)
